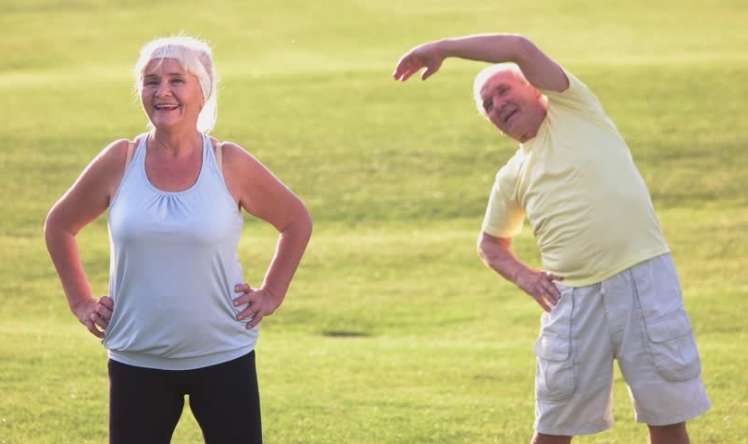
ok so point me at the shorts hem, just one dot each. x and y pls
(589, 429)
(696, 412)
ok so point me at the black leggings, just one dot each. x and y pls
(145, 404)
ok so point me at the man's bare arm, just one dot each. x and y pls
(496, 253)
(539, 69)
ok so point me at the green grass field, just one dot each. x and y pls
(393, 331)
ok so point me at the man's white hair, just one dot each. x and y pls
(195, 57)
(485, 75)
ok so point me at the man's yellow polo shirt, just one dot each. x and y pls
(576, 183)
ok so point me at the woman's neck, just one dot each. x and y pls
(175, 143)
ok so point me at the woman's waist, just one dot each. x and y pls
(190, 361)
(172, 331)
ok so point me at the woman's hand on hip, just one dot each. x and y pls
(95, 314)
(259, 303)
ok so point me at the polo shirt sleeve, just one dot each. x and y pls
(577, 96)
(504, 214)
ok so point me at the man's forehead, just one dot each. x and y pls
(505, 76)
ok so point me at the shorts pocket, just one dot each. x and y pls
(672, 346)
(669, 337)
(555, 375)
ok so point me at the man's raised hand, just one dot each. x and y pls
(427, 56)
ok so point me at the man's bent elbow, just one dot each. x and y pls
(490, 246)
(524, 48)
(484, 248)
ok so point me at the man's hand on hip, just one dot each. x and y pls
(539, 284)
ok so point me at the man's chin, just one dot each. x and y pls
(516, 135)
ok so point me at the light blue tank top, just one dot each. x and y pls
(173, 267)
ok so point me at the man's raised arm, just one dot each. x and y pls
(539, 69)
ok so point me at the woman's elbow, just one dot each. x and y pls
(50, 224)
(307, 222)
(301, 224)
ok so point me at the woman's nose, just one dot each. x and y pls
(163, 89)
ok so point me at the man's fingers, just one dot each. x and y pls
(547, 299)
(542, 303)
(552, 291)
(399, 69)
(539, 295)
(431, 69)
(406, 67)
(546, 282)
(107, 302)
(405, 75)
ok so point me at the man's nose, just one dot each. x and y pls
(501, 104)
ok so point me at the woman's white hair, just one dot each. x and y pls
(485, 75)
(195, 57)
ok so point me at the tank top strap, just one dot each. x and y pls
(132, 173)
(217, 152)
(210, 155)
(139, 154)
(130, 150)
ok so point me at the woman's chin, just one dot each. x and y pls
(164, 124)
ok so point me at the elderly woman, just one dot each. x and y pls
(179, 319)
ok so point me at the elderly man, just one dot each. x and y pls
(608, 287)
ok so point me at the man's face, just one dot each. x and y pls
(513, 105)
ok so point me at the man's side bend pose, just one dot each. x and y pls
(608, 286)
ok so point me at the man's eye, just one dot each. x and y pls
(177, 80)
(487, 105)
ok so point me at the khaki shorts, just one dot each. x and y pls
(635, 317)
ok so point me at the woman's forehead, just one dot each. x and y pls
(165, 65)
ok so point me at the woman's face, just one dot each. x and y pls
(171, 96)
